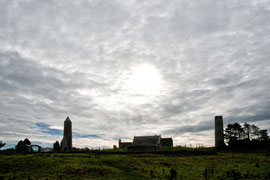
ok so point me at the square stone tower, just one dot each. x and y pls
(219, 137)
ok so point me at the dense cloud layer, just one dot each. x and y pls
(125, 68)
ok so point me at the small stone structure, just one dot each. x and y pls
(35, 148)
(124, 144)
(23, 146)
(66, 143)
(219, 137)
(166, 142)
(46, 149)
(56, 147)
(26, 147)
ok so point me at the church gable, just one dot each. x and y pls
(146, 140)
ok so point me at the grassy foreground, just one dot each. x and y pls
(225, 165)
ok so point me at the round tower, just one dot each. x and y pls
(219, 137)
(68, 134)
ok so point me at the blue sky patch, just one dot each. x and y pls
(91, 136)
(122, 138)
(45, 128)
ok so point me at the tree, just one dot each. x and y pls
(2, 144)
(247, 128)
(255, 131)
(248, 136)
(263, 135)
(233, 132)
(228, 133)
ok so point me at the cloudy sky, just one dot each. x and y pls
(133, 67)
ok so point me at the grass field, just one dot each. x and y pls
(225, 165)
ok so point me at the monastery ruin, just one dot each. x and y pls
(139, 143)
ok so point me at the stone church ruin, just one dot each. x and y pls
(146, 143)
(139, 143)
(123, 144)
(26, 147)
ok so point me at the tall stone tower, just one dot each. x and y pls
(66, 143)
(119, 144)
(219, 138)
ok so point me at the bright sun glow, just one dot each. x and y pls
(141, 84)
(144, 80)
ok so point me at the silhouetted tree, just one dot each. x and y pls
(247, 128)
(263, 135)
(233, 132)
(2, 144)
(246, 136)
(255, 131)
(228, 133)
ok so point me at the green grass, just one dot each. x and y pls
(225, 165)
(180, 148)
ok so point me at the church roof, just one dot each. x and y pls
(166, 139)
(146, 140)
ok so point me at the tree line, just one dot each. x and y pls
(246, 135)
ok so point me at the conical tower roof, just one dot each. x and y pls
(68, 119)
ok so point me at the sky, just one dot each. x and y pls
(120, 69)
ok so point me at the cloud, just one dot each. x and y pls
(202, 126)
(83, 58)
(46, 129)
